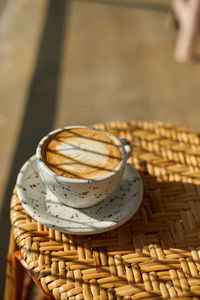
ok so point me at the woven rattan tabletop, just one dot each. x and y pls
(156, 254)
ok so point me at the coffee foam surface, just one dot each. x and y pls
(82, 153)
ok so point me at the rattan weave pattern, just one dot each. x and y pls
(156, 254)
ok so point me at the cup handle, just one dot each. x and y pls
(127, 145)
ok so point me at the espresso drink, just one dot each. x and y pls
(83, 153)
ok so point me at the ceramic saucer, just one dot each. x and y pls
(45, 208)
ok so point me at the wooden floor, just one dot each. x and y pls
(83, 62)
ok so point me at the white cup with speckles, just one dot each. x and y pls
(84, 191)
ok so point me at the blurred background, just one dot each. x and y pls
(71, 62)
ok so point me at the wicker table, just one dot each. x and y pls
(155, 255)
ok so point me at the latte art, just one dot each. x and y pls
(82, 153)
(90, 154)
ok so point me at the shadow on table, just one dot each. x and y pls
(161, 239)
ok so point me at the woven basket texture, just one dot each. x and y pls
(156, 254)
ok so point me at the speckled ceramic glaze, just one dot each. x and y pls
(81, 193)
(45, 207)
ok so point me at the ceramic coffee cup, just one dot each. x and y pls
(95, 164)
